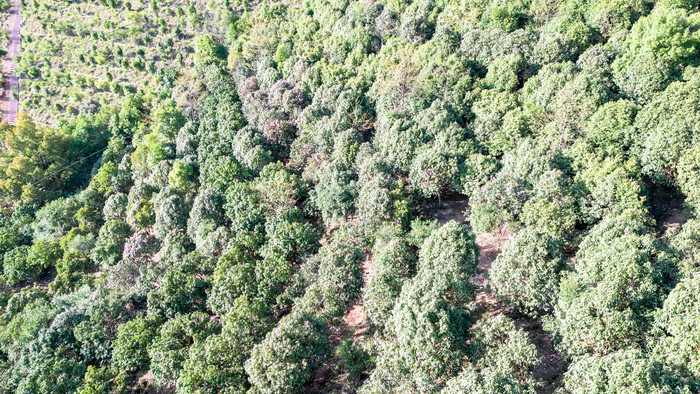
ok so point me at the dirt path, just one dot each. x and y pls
(10, 106)
(490, 245)
(354, 325)
(550, 371)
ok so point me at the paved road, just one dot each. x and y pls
(13, 106)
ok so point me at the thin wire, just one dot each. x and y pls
(68, 166)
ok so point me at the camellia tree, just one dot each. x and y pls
(284, 360)
(526, 274)
(428, 327)
(605, 303)
(504, 358)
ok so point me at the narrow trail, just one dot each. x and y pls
(550, 371)
(10, 105)
(355, 326)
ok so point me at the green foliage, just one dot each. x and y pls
(234, 277)
(505, 73)
(393, 261)
(214, 364)
(181, 291)
(624, 371)
(526, 274)
(16, 266)
(655, 51)
(501, 200)
(677, 326)
(428, 327)
(605, 304)
(505, 358)
(355, 357)
(33, 161)
(170, 346)
(101, 380)
(205, 181)
(284, 360)
(334, 278)
(72, 271)
(130, 348)
(687, 244)
(689, 176)
(666, 128)
(335, 192)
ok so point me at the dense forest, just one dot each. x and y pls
(335, 196)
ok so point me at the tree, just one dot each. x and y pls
(214, 364)
(109, 246)
(284, 360)
(432, 172)
(130, 348)
(334, 277)
(505, 73)
(654, 53)
(206, 224)
(526, 274)
(335, 192)
(689, 177)
(624, 371)
(243, 209)
(666, 128)
(278, 186)
(170, 347)
(677, 325)
(428, 327)
(218, 362)
(182, 290)
(504, 357)
(605, 303)
(234, 277)
(393, 261)
(501, 199)
(33, 162)
(687, 244)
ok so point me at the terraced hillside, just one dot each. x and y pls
(79, 55)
